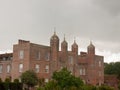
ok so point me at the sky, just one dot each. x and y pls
(86, 20)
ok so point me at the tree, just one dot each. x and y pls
(65, 79)
(29, 78)
(112, 69)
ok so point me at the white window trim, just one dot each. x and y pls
(1, 68)
(37, 68)
(8, 68)
(47, 68)
(46, 80)
(71, 59)
(21, 67)
(47, 56)
(81, 71)
(100, 63)
(21, 54)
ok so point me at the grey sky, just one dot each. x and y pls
(34, 20)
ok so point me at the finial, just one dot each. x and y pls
(74, 40)
(64, 37)
(54, 30)
(90, 42)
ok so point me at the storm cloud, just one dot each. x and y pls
(34, 20)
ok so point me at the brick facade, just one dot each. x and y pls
(44, 60)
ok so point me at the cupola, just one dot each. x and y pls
(91, 48)
(75, 47)
(64, 45)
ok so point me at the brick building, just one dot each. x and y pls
(44, 60)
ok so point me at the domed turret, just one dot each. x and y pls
(64, 45)
(54, 45)
(91, 48)
(54, 37)
(54, 41)
(75, 47)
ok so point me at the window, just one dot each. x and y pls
(71, 70)
(20, 67)
(11, 58)
(61, 67)
(99, 63)
(37, 68)
(84, 72)
(47, 57)
(4, 58)
(38, 55)
(1, 67)
(71, 59)
(47, 68)
(46, 80)
(21, 54)
(8, 68)
(80, 71)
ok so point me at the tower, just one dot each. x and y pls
(54, 44)
(75, 47)
(91, 49)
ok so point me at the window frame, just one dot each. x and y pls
(21, 67)
(37, 68)
(1, 68)
(21, 54)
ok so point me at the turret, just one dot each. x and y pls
(54, 42)
(75, 47)
(91, 49)
(64, 46)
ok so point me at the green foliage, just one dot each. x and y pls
(105, 88)
(10, 86)
(1, 80)
(16, 81)
(64, 79)
(51, 85)
(89, 87)
(119, 86)
(7, 80)
(41, 82)
(112, 69)
(29, 78)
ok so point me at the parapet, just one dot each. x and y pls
(22, 41)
